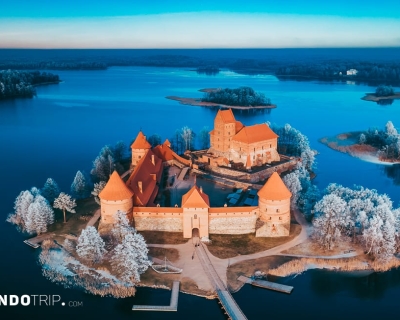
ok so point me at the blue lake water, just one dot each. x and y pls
(63, 128)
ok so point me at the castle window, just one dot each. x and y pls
(277, 210)
(254, 157)
(229, 133)
(254, 149)
(139, 157)
(240, 148)
(266, 210)
(195, 216)
(270, 145)
(262, 147)
(270, 218)
(280, 218)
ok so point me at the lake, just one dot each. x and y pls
(64, 127)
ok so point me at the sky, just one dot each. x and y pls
(199, 24)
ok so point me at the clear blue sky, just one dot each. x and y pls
(199, 24)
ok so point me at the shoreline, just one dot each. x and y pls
(199, 103)
(372, 97)
(348, 143)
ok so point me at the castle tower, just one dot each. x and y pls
(274, 205)
(115, 196)
(195, 204)
(224, 130)
(139, 148)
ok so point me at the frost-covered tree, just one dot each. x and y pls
(64, 202)
(129, 258)
(362, 139)
(188, 137)
(121, 226)
(79, 187)
(39, 216)
(138, 243)
(35, 191)
(331, 220)
(103, 165)
(98, 187)
(293, 143)
(154, 140)
(119, 151)
(204, 138)
(292, 182)
(21, 205)
(50, 190)
(90, 245)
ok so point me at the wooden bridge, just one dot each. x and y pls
(173, 306)
(228, 303)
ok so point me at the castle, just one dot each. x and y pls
(250, 145)
(271, 218)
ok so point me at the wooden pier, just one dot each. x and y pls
(173, 306)
(36, 241)
(267, 284)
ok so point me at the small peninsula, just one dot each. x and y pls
(242, 98)
(373, 145)
(20, 84)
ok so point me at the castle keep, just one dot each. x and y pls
(250, 145)
(271, 218)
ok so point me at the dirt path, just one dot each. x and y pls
(303, 236)
(191, 266)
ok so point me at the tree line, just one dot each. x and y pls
(387, 72)
(21, 83)
(387, 141)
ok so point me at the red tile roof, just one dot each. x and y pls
(140, 142)
(226, 115)
(115, 189)
(195, 198)
(144, 172)
(238, 126)
(255, 133)
(274, 189)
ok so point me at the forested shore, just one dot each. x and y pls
(14, 84)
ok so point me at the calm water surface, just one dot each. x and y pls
(63, 128)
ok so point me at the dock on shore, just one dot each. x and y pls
(267, 284)
(36, 241)
(173, 306)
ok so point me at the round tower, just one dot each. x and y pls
(115, 196)
(139, 148)
(274, 207)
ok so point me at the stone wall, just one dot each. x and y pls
(273, 230)
(158, 224)
(232, 225)
(255, 176)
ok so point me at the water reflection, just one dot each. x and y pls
(393, 172)
(385, 102)
(373, 286)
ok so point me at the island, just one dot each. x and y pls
(206, 222)
(381, 94)
(20, 84)
(242, 98)
(373, 145)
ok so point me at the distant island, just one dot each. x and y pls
(382, 93)
(20, 84)
(373, 145)
(243, 98)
